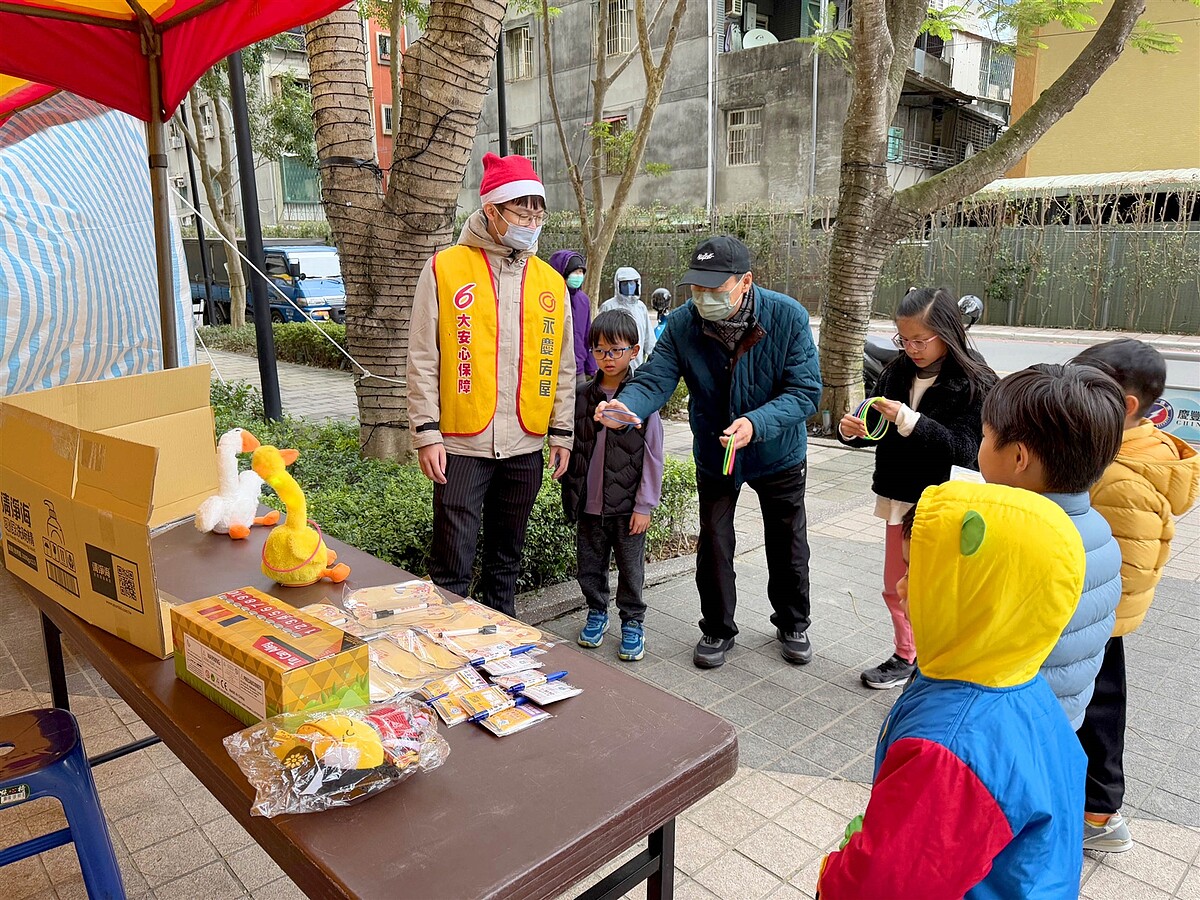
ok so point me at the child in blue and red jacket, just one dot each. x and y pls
(978, 774)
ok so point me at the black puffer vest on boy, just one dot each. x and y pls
(623, 455)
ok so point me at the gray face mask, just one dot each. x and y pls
(715, 306)
(520, 237)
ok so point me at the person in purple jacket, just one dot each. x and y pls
(572, 267)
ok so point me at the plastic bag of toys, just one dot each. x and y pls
(305, 762)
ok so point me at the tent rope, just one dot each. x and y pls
(366, 373)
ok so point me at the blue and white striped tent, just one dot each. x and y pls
(78, 282)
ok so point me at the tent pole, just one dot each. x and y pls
(210, 317)
(156, 141)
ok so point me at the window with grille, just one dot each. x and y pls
(518, 54)
(615, 159)
(385, 118)
(895, 144)
(524, 145)
(745, 137)
(383, 48)
(979, 134)
(618, 39)
(300, 182)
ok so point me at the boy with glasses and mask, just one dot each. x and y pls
(611, 488)
(491, 376)
(748, 359)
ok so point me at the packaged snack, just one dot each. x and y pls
(550, 692)
(465, 679)
(518, 718)
(339, 618)
(488, 700)
(308, 762)
(450, 710)
(407, 603)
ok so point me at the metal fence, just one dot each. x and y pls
(1127, 262)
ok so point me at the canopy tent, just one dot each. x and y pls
(141, 58)
(77, 260)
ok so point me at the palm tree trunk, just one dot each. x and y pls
(385, 241)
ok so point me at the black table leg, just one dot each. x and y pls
(655, 865)
(52, 638)
(661, 885)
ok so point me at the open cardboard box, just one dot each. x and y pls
(87, 472)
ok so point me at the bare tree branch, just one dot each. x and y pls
(1054, 103)
(655, 80)
(574, 175)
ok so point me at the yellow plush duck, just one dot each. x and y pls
(295, 554)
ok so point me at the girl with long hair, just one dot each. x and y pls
(932, 397)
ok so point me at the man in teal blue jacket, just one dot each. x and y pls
(748, 359)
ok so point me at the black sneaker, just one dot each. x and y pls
(797, 648)
(710, 652)
(895, 672)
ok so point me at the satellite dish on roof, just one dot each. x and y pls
(758, 37)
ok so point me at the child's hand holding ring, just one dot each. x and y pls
(852, 427)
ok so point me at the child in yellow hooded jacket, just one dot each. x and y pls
(1155, 477)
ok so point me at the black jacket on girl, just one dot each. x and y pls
(948, 433)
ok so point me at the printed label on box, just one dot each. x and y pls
(114, 577)
(60, 561)
(240, 686)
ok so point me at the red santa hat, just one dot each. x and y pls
(507, 178)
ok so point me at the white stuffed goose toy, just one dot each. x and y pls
(234, 508)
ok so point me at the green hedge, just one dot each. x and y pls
(295, 342)
(386, 508)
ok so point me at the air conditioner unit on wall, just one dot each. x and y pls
(733, 8)
(750, 18)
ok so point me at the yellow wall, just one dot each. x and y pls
(1143, 113)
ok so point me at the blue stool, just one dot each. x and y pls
(41, 755)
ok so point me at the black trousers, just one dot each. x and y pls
(1102, 734)
(499, 493)
(785, 527)
(597, 539)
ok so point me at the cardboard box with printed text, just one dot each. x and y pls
(87, 473)
(257, 657)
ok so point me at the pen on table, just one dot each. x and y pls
(463, 632)
(479, 717)
(483, 660)
(553, 676)
(384, 613)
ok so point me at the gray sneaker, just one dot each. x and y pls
(1111, 837)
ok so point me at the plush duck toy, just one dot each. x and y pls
(234, 508)
(295, 554)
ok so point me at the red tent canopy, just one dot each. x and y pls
(98, 48)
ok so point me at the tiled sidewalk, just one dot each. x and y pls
(806, 735)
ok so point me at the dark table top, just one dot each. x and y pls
(521, 816)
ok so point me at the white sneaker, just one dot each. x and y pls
(1111, 837)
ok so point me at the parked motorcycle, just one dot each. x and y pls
(878, 351)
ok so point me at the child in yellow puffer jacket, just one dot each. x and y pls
(1154, 477)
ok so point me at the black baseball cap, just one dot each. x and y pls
(715, 260)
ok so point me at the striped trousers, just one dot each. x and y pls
(499, 495)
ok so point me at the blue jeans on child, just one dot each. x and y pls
(597, 540)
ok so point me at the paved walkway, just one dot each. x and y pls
(806, 734)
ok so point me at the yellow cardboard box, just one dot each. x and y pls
(86, 472)
(258, 657)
